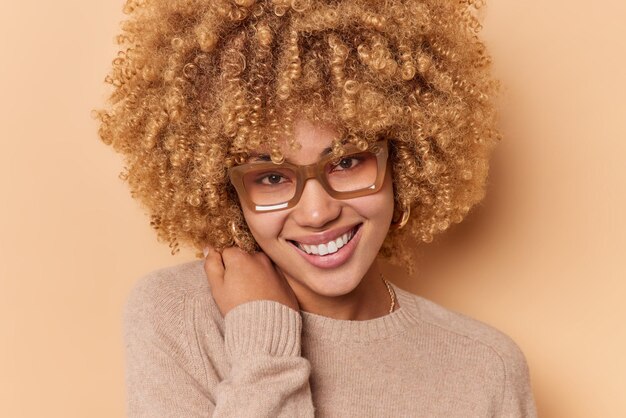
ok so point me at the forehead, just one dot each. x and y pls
(313, 141)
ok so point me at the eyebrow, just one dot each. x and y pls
(266, 157)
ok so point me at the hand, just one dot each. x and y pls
(237, 277)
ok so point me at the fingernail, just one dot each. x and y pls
(205, 251)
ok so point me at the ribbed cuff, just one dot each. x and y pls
(262, 327)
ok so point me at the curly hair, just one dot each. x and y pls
(199, 83)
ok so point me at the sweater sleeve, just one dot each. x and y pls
(166, 375)
(268, 376)
(517, 399)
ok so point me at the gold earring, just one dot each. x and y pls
(233, 230)
(405, 218)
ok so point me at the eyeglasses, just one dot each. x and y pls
(265, 186)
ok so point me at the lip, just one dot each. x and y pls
(336, 259)
(324, 237)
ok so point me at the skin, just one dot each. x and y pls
(351, 291)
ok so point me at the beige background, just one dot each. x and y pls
(539, 260)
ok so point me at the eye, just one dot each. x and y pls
(271, 179)
(347, 163)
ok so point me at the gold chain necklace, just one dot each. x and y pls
(392, 293)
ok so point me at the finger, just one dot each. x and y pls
(233, 255)
(214, 267)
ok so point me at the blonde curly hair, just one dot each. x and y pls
(199, 83)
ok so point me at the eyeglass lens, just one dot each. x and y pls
(271, 186)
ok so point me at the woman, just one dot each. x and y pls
(295, 141)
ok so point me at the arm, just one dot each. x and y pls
(164, 375)
(517, 399)
(259, 362)
(263, 325)
(268, 377)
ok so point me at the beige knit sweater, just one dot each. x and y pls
(266, 360)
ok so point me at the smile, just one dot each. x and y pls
(330, 247)
(332, 253)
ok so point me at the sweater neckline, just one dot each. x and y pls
(321, 327)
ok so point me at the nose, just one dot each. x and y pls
(316, 207)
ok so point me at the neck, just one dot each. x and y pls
(369, 300)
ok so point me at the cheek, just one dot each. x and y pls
(379, 206)
(264, 226)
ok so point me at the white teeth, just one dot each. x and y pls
(328, 248)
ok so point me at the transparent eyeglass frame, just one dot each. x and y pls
(311, 171)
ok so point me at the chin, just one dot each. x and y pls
(329, 282)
